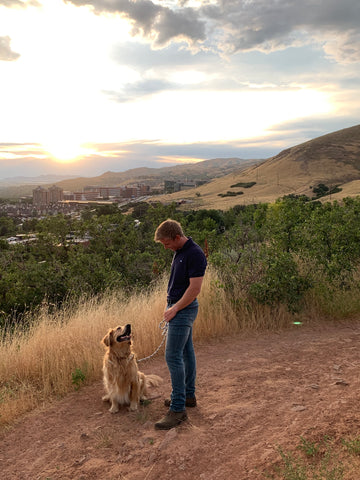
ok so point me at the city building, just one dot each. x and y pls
(56, 194)
(41, 196)
(44, 196)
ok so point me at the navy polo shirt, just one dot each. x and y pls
(188, 262)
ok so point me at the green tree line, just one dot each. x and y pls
(268, 253)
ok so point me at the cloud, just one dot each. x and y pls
(161, 70)
(344, 48)
(6, 54)
(301, 130)
(155, 22)
(269, 25)
(141, 57)
(244, 25)
(175, 68)
(19, 3)
(140, 89)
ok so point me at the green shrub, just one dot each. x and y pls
(280, 282)
(243, 185)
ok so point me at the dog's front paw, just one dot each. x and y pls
(114, 409)
(133, 407)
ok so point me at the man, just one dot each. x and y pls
(187, 273)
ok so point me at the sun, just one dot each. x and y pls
(65, 151)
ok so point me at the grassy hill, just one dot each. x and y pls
(332, 159)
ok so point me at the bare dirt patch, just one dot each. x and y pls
(255, 392)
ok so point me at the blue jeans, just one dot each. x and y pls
(180, 356)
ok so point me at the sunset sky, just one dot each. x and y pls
(88, 86)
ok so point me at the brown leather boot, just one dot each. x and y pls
(171, 420)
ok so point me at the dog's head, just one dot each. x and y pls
(119, 337)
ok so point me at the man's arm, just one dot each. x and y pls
(189, 296)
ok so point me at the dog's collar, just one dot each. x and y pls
(128, 358)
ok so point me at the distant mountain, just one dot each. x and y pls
(205, 170)
(41, 179)
(332, 159)
(17, 187)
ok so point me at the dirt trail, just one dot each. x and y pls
(254, 392)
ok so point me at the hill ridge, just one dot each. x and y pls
(333, 159)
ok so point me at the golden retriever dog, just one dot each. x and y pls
(124, 383)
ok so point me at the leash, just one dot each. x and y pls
(164, 326)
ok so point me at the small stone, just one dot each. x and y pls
(152, 457)
(341, 382)
(298, 408)
(80, 461)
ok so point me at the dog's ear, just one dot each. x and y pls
(107, 340)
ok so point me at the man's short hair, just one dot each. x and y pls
(168, 229)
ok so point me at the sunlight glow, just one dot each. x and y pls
(65, 151)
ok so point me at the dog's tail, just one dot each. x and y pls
(153, 380)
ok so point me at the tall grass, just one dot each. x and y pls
(56, 353)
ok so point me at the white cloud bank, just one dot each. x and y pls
(242, 25)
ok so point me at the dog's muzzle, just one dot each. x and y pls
(126, 334)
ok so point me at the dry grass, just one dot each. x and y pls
(59, 352)
(333, 304)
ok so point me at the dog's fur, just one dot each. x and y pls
(124, 383)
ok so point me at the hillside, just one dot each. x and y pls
(333, 159)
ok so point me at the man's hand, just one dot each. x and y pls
(170, 313)
(189, 296)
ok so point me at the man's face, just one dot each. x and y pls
(171, 244)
